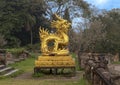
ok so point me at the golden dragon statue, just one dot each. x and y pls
(59, 38)
(54, 47)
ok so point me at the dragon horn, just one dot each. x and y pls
(39, 29)
(58, 17)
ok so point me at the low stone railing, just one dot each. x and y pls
(97, 72)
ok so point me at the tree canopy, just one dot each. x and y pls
(20, 21)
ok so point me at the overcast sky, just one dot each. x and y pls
(105, 4)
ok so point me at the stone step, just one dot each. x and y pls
(10, 62)
(2, 66)
(5, 69)
(17, 60)
(11, 72)
(22, 59)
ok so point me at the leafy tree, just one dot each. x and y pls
(18, 18)
(111, 21)
(102, 33)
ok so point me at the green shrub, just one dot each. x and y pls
(16, 51)
(33, 48)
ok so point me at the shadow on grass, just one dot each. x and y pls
(60, 73)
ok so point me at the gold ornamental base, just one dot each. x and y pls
(54, 62)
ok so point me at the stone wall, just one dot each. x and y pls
(114, 70)
(82, 57)
(8, 58)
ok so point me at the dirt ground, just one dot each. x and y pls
(29, 75)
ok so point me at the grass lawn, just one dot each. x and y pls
(116, 62)
(27, 66)
(41, 82)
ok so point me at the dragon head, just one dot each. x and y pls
(60, 24)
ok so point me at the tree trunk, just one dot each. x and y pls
(31, 35)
